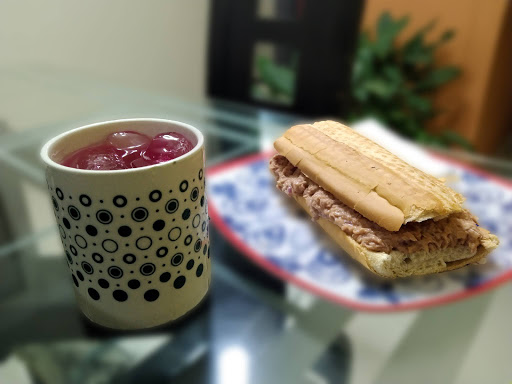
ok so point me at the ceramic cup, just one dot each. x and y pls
(136, 240)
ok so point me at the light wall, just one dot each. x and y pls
(156, 45)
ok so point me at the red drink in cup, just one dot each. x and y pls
(129, 149)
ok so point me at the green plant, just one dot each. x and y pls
(279, 78)
(393, 83)
(274, 83)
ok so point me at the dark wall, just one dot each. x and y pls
(324, 33)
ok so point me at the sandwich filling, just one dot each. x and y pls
(458, 229)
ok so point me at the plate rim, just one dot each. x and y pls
(282, 274)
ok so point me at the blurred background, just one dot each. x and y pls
(435, 75)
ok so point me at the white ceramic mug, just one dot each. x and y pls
(136, 240)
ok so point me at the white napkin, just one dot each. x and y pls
(403, 148)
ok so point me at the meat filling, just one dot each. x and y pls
(458, 229)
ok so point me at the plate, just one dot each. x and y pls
(273, 231)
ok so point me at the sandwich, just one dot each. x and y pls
(392, 218)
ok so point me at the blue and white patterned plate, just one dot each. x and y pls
(274, 232)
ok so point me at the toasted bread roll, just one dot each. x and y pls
(394, 219)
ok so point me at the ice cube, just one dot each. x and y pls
(167, 146)
(128, 140)
(96, 157)
(139, 162)
(129, 145)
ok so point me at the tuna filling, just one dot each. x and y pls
(458, 229)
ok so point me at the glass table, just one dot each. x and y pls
(252, 328)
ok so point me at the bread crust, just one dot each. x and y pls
(365, 176)
(398, 264)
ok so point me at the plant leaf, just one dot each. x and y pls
(360, 94)
(418, 103)
(447, 36)
(417, 53)
(380, 88)
(280, 79)
(393, 74)
(363, 64)
(387, 30)
(437, 77)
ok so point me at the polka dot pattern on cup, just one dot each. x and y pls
(124, 247)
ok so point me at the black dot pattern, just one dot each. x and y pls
(158, 225)
(62, 232)
(147, 269)
(197, 245)
(179, 282)
(120, 295)
(115, 272)
(171, 206)
(139, 214)
(74, 212)
(120, 201)
(93, 294)
(110, 245)
(177, 259)
(162, 251)
(196, 220)
(124, 231)
(87, 268)
(91, 230)
(144, 242)
(129, 258)
(194, 194)
(165, 277)
(80, 241)
(151, 295)
(55, 204)
(174, 233)
(98, 258)
(85, 200)
(104, 217)
(155, 196)
(118, 252)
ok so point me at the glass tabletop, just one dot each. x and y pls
(251, 328)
